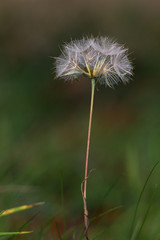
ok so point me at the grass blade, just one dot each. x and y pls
(28, 221)
(18, 209)
(62, 200)
(139, 199)
(24, 225)
(14, 233)
(59, 234)
(104, 213)
(67, 234)
(108, 191)
(146, 214)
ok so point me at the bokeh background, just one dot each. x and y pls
(44, 121)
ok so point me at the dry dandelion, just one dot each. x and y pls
(95, 58)
(101, 60)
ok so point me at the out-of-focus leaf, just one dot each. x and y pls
(14, 233)
(18, 209)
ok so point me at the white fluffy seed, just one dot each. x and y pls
(98, 58)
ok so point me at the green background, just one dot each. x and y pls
(44, 121)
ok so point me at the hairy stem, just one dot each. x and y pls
(86, 164)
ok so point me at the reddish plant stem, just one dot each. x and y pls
(86, 164)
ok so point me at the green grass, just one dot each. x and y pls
(43, 132)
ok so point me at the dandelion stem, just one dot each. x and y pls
(86, 163)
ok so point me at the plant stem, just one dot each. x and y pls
(86, 164)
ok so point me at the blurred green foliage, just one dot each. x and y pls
(43, 121)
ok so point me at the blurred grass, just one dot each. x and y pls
(15, 210)
(38, 145)
(43, 121)
(18, 209)
(44, 182)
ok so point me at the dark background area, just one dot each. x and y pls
(44, 121)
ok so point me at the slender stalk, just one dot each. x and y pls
(86, 164)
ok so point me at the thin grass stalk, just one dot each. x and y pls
(86, 221)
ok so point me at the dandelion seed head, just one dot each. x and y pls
(98, 58)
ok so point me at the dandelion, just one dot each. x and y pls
(102, 61)
(95, 58)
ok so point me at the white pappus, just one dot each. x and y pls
(96, 58)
